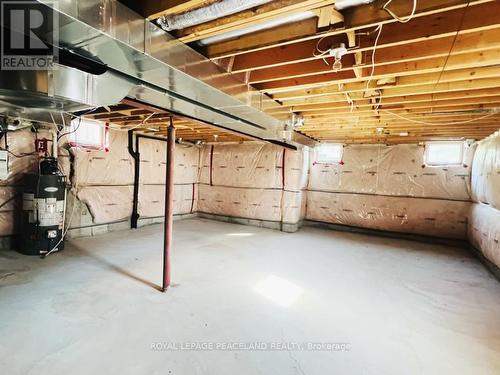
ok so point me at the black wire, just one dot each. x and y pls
(10, 199)
(20, 155)
(72, 131)
(79, 122)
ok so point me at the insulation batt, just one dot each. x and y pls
(391, 170)
(484, 231)
(430, 217)
(248, 181)
(105, 179)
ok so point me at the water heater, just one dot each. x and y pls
(44, 205)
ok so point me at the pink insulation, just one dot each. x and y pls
(152, 200)
(105, 179)
(248, 181)
(391, 170)
(484, 227)
(431, 217)
(100, 168)
(251, 164)
(107, 204)
(153, 162)
(152, 178)
(260, 204)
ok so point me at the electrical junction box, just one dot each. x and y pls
(4, 165)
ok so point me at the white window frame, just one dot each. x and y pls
(430, 145)
(76, 139)
(335, 158)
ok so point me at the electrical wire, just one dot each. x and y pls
(442, 123)
(72, 131)
(18, 155)
(396, 17)
(460, 25)
(380, 27)
(66, 229)
(372, 72)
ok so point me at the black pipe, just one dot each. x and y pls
(137, 161)
(136, 155)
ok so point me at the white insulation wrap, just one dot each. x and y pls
(484, 227)
(486, 172)
(430, 217)
(484, 231)
(391, 170)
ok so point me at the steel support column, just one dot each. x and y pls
(169, 205)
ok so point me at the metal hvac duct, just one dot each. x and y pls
(108, 52)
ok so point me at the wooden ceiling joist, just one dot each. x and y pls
(436, 76)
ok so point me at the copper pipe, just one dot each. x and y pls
(169, 205)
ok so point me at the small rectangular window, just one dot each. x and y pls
(87, 134)
(329, 153)
(444, 153)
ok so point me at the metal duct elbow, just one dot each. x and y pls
(205, 14)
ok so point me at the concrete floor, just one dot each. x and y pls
(401, 307)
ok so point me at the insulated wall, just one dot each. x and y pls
(105, 179)
(390, 188)
(253, 180)
(153, 173)
(484, 228)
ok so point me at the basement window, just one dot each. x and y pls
(444, 153)
(88, 134)
(329, 153)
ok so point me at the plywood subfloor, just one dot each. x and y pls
(402, 307)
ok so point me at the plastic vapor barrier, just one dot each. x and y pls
(107, 204)
(391, 170)
(253, 180)
(486, 172)
(484, 227)
(484, 231)
(153, 175)
(430, 217)
(105, 179)
(152, 200)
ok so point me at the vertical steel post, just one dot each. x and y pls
(169, 205)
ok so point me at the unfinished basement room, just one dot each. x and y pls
(275, 187)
